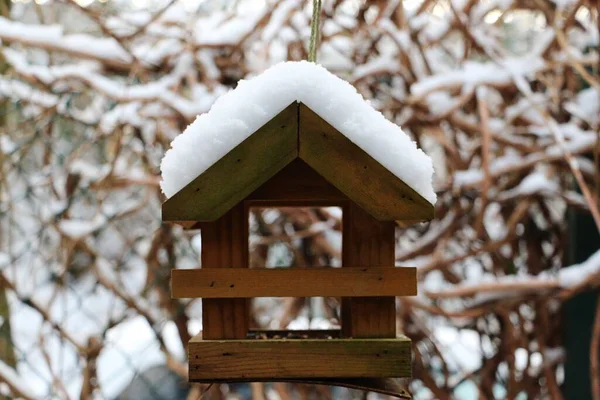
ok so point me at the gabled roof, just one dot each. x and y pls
(297, 132)
(242, 111)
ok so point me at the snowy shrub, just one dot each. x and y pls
(504, 95)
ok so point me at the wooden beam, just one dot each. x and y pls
(293, 282)
(274, 359)
(225, 245)
(238, 173)
(366, 241)
(356, 174)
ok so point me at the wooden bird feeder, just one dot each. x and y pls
(297, 159)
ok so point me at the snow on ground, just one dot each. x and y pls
(240, 112)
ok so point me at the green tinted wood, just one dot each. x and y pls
(356, 174)
(239, 172)
(297, 132)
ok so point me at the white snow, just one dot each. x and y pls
(578, 140)
(579, 273)
(278, 18)
(508, 285)
(7, 146)
(535, 183)
(52, 36)
(239, 113)
(474, 73)
(218, 29)
(78, 228)
(12, 89)
(376, 65)
(14, 380)
(586, 105)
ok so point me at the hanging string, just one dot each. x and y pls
(314, 31)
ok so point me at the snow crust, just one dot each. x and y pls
(240, 112)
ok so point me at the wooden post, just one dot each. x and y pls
(367, 242)
(225, 245)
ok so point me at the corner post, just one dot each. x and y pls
(225, 245)
(367, 242)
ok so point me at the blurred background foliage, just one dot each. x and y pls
(504, 95)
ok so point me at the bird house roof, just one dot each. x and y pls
(295, 110)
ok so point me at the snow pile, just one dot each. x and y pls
(242, 111)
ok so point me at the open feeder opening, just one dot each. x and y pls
(289, 236)
(295, 237)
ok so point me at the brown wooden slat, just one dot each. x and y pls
(389, 386)
(238, 173)
(356, 174)
(293, 282)
(367, 241)
(225, 245)
(275, 359)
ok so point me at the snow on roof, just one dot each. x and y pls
(242, 111)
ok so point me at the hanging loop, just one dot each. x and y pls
(314, 31)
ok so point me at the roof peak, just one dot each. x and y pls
(242, 111)
(297, 136)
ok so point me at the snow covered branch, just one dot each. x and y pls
(502, 94)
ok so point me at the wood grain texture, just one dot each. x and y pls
(297, 182)
(298, 358)
(293, 282)
(356, 174)
(237, 174)
(225, 245)
(367, 241)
